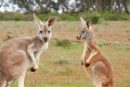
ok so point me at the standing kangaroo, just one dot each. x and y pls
(22, 53)
(95, 63)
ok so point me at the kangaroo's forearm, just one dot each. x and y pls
(31, 53)
(83, 57)
(32, 57)
(38, 57)
(92, 54)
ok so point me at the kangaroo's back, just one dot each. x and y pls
(13, 57)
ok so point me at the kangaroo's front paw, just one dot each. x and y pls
(33, 69)
(87, 64)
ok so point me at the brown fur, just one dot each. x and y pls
(104, 66)
(14, 57)
(95, 63)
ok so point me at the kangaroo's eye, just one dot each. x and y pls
(49, 31)
(41, 31)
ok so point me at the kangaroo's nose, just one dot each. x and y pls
(78, 37)
(45, 39)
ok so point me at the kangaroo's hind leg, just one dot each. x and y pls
(21, 67)
(18, 67)
(8, 83)
(97, 82)
(3, 82)
(99, 75)
(21, 79)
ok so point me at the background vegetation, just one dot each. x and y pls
(95, 17)
(46, 6)
(66, 10)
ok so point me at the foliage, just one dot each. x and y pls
(63, 43)
(101, 43)
(15, 16)
(46, 6)
(95, 17)
(115, 16)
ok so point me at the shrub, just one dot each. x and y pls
(115, 16)
(101, 43)
(63, 43)
(95, 17)
(69, 16)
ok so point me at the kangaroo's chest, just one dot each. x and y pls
(41, 47)
(86, 52)
(37, 49)
(44, 47)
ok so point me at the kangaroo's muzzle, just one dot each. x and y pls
(45, 39)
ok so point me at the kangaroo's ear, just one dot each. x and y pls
(51, 21)
(83, 22)
(88, 23)
(38, 21)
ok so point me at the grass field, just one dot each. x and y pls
(60, 67)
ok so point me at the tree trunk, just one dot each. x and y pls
(110, 5)
(119, 7)
(1, 3)
(125, 6)
(99, 5)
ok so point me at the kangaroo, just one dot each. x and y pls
(96, 65)
(19, 54)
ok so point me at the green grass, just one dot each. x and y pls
(63, 43)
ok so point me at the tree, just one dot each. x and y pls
(125, 3)
(45, 6)
(1, 3)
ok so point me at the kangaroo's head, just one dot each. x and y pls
(44, 32)
(86, 32)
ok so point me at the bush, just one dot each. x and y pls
(63, 43)
(101, 43)
(95, 17)
(115, 16)
(69, 16)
